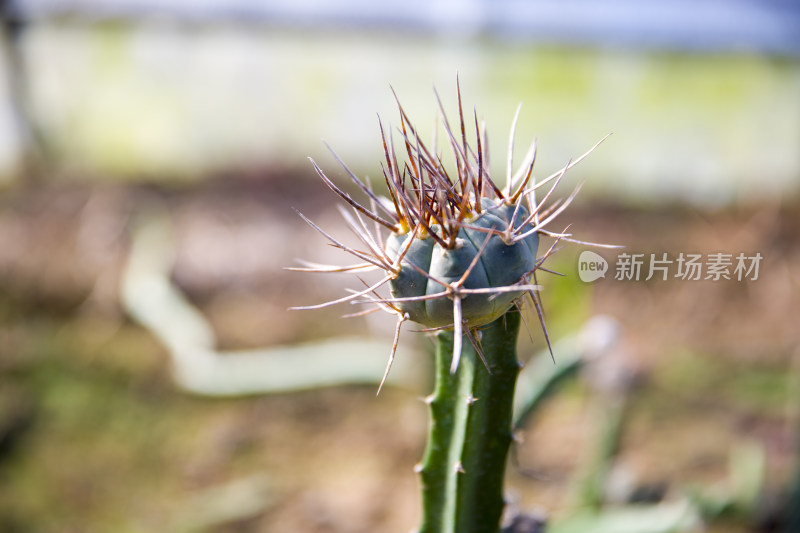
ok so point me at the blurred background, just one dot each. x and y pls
(151, 155)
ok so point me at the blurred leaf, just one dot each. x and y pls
(664, 518)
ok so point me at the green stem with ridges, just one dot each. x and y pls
(470, 433)
(448, 422)
(489, 429)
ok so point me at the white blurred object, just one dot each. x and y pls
(151, 299)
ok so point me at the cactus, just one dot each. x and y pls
(460, 259)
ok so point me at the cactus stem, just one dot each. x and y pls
(464, 462)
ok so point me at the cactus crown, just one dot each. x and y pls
(461, 250)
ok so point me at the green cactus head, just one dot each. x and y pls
(429, 269)
(461, 251)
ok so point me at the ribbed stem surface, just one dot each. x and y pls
(470, 432)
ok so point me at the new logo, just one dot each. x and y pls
(591, 266)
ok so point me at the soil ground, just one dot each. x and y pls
(95, 436)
